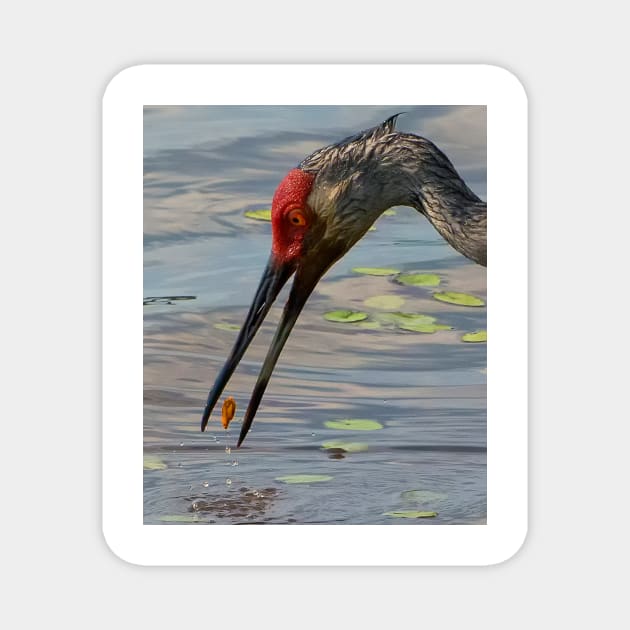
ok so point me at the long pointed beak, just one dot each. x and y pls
(273, 279)
(302, 287)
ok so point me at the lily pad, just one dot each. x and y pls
(418, 279)
(353, 425)
(345, 317)
(461, 299)
(476, 337)
(369, 325)
(376, 271)
(386, 302)
(259, 215)
(303, 478)
(400, 319)
(180, 518)
(424, 328)
(226, 326)
(389, 213)
(348, 447)
(167, 299)
(411, 514)
(151, 462)
(422, 496)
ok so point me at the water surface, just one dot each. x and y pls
(205, 166)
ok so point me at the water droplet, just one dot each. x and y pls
(228, 482)
(205, 484)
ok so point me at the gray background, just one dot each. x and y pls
(57, 59)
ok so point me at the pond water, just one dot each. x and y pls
(206, 166)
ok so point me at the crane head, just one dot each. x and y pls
(319, 211)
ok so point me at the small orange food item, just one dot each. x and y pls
(227, 411)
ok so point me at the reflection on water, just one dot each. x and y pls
(203, 168)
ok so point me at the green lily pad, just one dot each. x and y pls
(303, 478)
(369, 325)
(259, 215)
(418, 279)
(376, 271)
(180, 518)
(353, 425)
(345, 317)
(424, 328)
(226, 326)
(476, 337)
(348, 447)
(151, 462)
(386, 302)
(422, 496)
(400, 319)
(411, 514)
(461, 299)
(389, 213)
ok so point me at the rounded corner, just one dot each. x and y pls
(514, 548)
(117, 550)
(119, 79)
(509, 78)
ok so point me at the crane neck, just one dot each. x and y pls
(414, 172)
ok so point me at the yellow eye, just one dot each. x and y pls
(297, 217)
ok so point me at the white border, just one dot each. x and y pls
(123, 103)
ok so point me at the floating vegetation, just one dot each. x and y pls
(180, 518)
(385, 302)
(404, 319)
(410, 514)
(418, 279)
(412, 322)
(151, 462)
(167, 299)
(376, 271)
(227, 411)
(226, 326)
(345, 317)
(304, 478)
(346, 447)
(353, 425)
(369, 325)
(259, 215)
(424, 328)
(389, 213)
(422, 496)
(461, 299)
(475, 337)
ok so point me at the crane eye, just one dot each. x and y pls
(297, 217)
